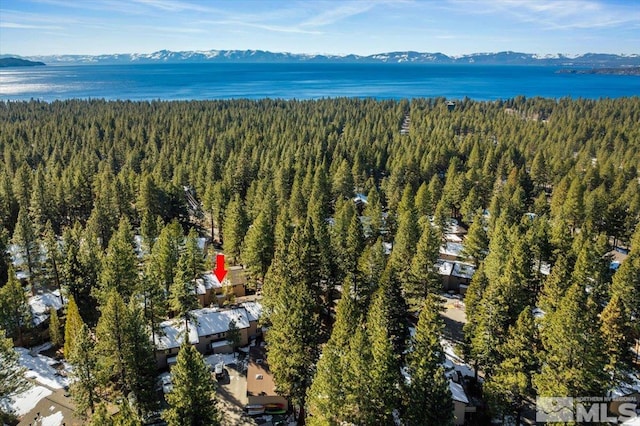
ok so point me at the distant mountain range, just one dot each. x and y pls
(17, 62)
(594, 60)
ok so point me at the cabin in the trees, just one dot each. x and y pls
(207, 331)
(261, 388)
(456, 276)
(211, 291)
(460, 403)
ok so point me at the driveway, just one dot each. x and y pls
(232, 397)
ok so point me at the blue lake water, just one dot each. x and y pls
(305, 81)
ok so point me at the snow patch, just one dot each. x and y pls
(39, 368)
(27, 400)
(53, 420)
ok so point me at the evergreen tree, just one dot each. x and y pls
(260, 239)
(355, 243)
(573, 362)
(235, 228)
(371, 267)
(55, 334)
(84, 361)
(384, 374)
(72, 327)
(360, 407)
(326, 396)
(233, 335)
(476, 242)
(119, 265)
(373, 211)
(293, 342)
(139, 360)
(626, 284)
(573, 207)
(5, 259)
(275, 280)
(111, 343)
(428, 396)
(166, 252)
(101, 416)
(404, 245)
(343, 184)
(192, 400)
(424, 205)
(26, 239)
(53, 261)
(474, 309)
(194, 256)
(616, 338)
(15, 313)
(12, 379)
(182, 296)
(424, 274)
(155, 299)
(510, 387)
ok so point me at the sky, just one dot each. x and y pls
(453, 27)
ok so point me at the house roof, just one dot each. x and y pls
(254, 310)
(205, 322)
(210, 281)
(213, 321)
(462, 270)
(444, 267)
(173, 334)
(457, 392)
(41, 304)
(451, 249)
(259, 378)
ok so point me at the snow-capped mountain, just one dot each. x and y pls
(499, 58)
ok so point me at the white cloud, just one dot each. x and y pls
(176, 6)
(556, 14)
(16, 25)
(343, 11)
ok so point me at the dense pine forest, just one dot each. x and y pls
(547, 191)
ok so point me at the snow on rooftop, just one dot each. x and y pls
(632, 385)
(463, 270)
(254, 310)
(444, 267)
(212, 321)
(210, 281)
(452, 238)
(451, 249)
(41, 304)
(173, 333)
(457, 392)
(360, 198)
(387, 248)
(205, 322)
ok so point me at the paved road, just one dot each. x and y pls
(232, 397)
(454, 319)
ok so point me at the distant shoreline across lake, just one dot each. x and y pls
(306, 81)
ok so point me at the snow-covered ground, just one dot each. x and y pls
(22, 403)
(39, 369)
